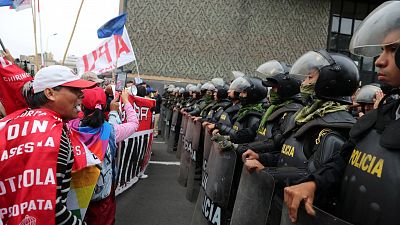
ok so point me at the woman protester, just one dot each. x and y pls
(101, 137)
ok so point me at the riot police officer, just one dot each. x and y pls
(367, 165)
(252, 93)
(284, 100)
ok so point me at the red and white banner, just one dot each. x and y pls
(12, 79)
(134, 152)
(29, 147)
(115, 50)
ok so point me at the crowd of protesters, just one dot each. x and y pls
(61, 117)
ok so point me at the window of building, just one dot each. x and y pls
(346, 16)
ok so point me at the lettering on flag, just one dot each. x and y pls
(114, 52)
(12, 79)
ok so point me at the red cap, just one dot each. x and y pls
(94, 98)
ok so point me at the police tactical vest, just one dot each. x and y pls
(226, 116)
(274, 119)
(293, 152)
(370, 187)
(247, 120)
(216, 111)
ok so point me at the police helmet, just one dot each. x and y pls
(222, 92)
(385, 24)
(338, 74)
(218, 82)
(366, 94)
(253, 86)
(208, 86)
(277, 75)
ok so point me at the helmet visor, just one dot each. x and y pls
(271, 68)
(380, 28)
(237, 74)
(239, 84)
(208, 86)
(218, 82)
(307, 63)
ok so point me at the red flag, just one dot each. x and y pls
(12, 79)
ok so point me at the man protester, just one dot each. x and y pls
(368, 164)
(36, 151)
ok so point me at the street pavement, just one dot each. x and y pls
(158, 199)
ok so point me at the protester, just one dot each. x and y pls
(130, 83)
(141, 91)
(158, 99)
(90, 76)
(94, 131)
(366, 166)
(45, 150)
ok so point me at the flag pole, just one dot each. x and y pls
(40, 31)
(34, 32)
(72, 34)
(137, 66)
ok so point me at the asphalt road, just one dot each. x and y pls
(158, 199)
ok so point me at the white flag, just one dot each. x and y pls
(114, 52)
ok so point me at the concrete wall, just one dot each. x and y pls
(210, 38)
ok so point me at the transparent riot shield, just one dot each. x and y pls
(253, 199)
(321, 218)
(168, 117)
(181, 138)
(174, 131)
(185, 155)
(195, 167)
(216, 206)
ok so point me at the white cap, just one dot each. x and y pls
(57, 75)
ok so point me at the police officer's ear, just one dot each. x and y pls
(397, 57)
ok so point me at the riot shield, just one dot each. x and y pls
(321, 218)
(253, 199)
(181, 138)
(194, 175)
(217, 200)
(185, 155)
(207, 146)
(174, 131)
(198, 218)
(162, 120)
(168, 117)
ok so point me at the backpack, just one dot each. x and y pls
(107, 170)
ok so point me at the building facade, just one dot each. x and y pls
(210, 38)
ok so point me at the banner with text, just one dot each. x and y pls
(12, 79)
(114, 52)
(134, 152)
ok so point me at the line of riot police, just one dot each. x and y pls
(252, 149)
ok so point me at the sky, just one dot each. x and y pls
(57, 16)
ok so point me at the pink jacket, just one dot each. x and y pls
(124, 130)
